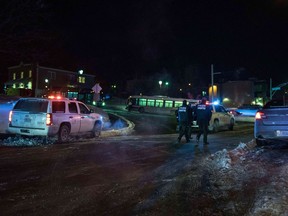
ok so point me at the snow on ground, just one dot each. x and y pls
(248, 180)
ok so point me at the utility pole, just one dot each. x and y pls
(212, 81)
(270, 89)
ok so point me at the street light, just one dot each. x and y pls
(160, 83)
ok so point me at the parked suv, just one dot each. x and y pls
(53, 117)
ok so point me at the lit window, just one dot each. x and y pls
(22, 75)
(21, 85)
(159, 103)
(14, 85)
(168, 103)
(151, 102)
(81, 79)
(142, 102)
(178, 103)
(14, 76)
(29, 85)
(30, 73)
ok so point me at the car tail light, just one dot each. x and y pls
(260, 115)
(49, 119)
(10, 116)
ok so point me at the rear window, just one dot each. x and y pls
(276, 103)
(58, 107)
(31, 105)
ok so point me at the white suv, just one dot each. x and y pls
(53, 117)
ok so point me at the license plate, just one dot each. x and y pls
(27, 120)
(24, 131)
(281, 133)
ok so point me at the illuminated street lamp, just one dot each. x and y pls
(80, 72)
(160, 83)
(46, 85)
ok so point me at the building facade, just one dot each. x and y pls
(237, 93)
(38, 81)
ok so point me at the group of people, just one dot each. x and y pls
(186, 114)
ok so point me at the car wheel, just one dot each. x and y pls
(216, 125)
(63, 134)
(141, 110)
(231, 125)
(97, 129)
(44, 140)
(260, 141)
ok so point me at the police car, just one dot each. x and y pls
(220, 119)
(53, 116)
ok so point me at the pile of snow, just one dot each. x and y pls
(26, 141)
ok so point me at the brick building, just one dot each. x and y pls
(37, 81)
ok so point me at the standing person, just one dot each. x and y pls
(192, 118)
(203, 114)
(184, 118)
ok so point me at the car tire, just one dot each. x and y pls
(141, 110)
(260, 142)
(44, 140)
(97, 130)
(231, 125)
(216, 125)
(63, 134)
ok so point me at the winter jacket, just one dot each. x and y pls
(203, 112)
(184, 114)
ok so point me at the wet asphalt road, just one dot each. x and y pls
(107, 176)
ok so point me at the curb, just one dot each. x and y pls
(119, 132)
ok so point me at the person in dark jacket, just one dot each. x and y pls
(203, 115)
(184, 119)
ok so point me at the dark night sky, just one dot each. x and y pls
(120, 38)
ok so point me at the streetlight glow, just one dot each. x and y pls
(160, 83)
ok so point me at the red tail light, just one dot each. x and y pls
(260, 115)
(49, 119)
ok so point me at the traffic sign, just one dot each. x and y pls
(275, 88)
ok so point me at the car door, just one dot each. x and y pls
(74, 117)
(86, 119)
(223, 115)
